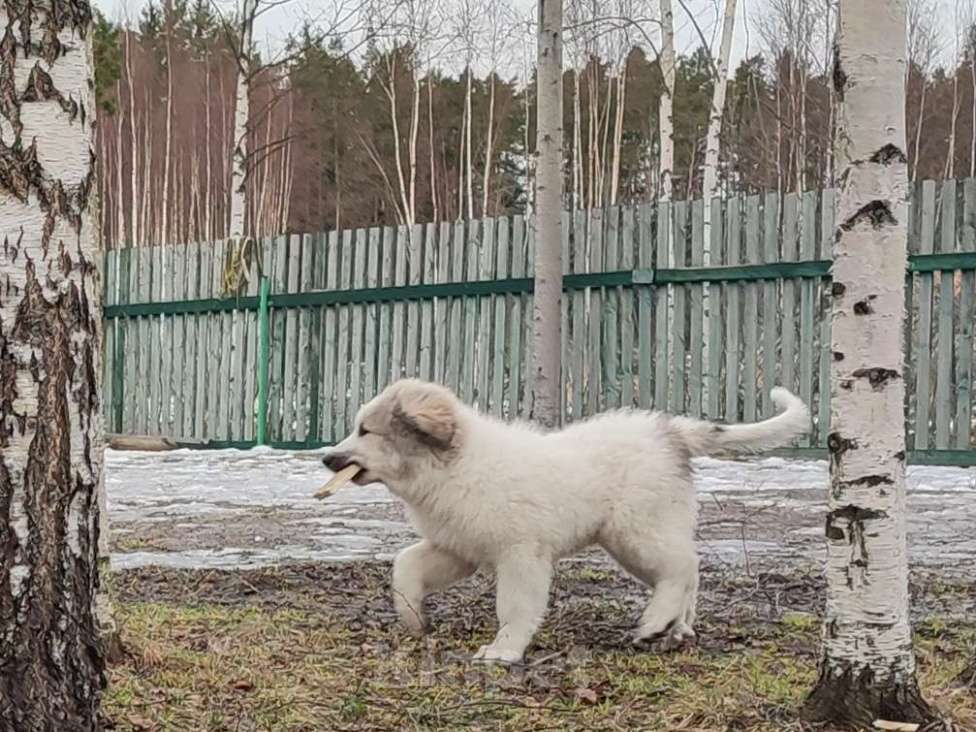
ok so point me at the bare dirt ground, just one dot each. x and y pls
(316, 647)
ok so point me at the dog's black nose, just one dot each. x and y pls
(335, 461)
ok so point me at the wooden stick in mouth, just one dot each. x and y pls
(338, 480)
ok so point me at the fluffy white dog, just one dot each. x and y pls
(507, 496)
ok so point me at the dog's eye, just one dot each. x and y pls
(363, 431)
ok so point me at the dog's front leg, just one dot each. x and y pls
(417, 571)
(522, 586)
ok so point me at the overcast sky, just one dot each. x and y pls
(276, 24)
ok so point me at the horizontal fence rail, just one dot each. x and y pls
(672, 306)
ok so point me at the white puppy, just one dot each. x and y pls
(512, 498)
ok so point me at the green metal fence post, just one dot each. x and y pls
(263, 347)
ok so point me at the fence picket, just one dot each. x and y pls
(661, 304)
(808, 243)
(967, 315)
(414, 271)
(578, 306)
(344, 320)
(442, 305)
(750, 320)
(498, 350)
(328, 411)
(372, 320)
(696, 312)
(645, 301)
(201, 425)
(316, 281)
(594, 402)
(178, 368)
(716, 327)
(627, 299)
(455, 345)
(610, 315)
(428, 277)
(470, 308)
(946, 336)
(109, 365)
(155, 355)
(486, 265)
(733, 240)
(770, 302)
(357, 327)
(790, 253)
(679, 364)
(303, 349)
(384, 363)
(924, 348)
(515, 320)
(399, 322)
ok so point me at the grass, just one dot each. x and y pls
(265, 660)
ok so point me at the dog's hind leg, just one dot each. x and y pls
(523, 579)
(417, 571)
(672, 573)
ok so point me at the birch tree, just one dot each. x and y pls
(713, 139)
(710, 173)
(666, 104)
(50, 344)
(867, 670)
(547, 221)
(238, 181)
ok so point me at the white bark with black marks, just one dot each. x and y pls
(713, 138)
(666, 104)
(51, 428)
(238, 183)
(547, 221)
(868, 667)
(710, 173)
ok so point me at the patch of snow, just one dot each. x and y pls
(196, 489)
(780, 474)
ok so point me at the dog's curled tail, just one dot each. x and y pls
(706, 438)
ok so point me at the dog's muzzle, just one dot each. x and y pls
(336, 461)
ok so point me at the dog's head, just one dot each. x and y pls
(410, 428)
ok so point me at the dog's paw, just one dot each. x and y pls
(415, 628)
(490, 654)
(412, 620)
(669, 640)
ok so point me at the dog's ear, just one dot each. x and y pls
(429, 412)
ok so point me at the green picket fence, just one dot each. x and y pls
(196, 351)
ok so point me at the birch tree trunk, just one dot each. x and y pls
(867, 671)
(618, 134)
(713, 139)
(164, 228)
(577, 199)
(486, 173)
(50, 351)
(972, 119)
(710, 173)
(238, 180)
(950, 162)
(547, 221)
(666, 114)
(468, 169)
(665, 185)
(430, 145)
